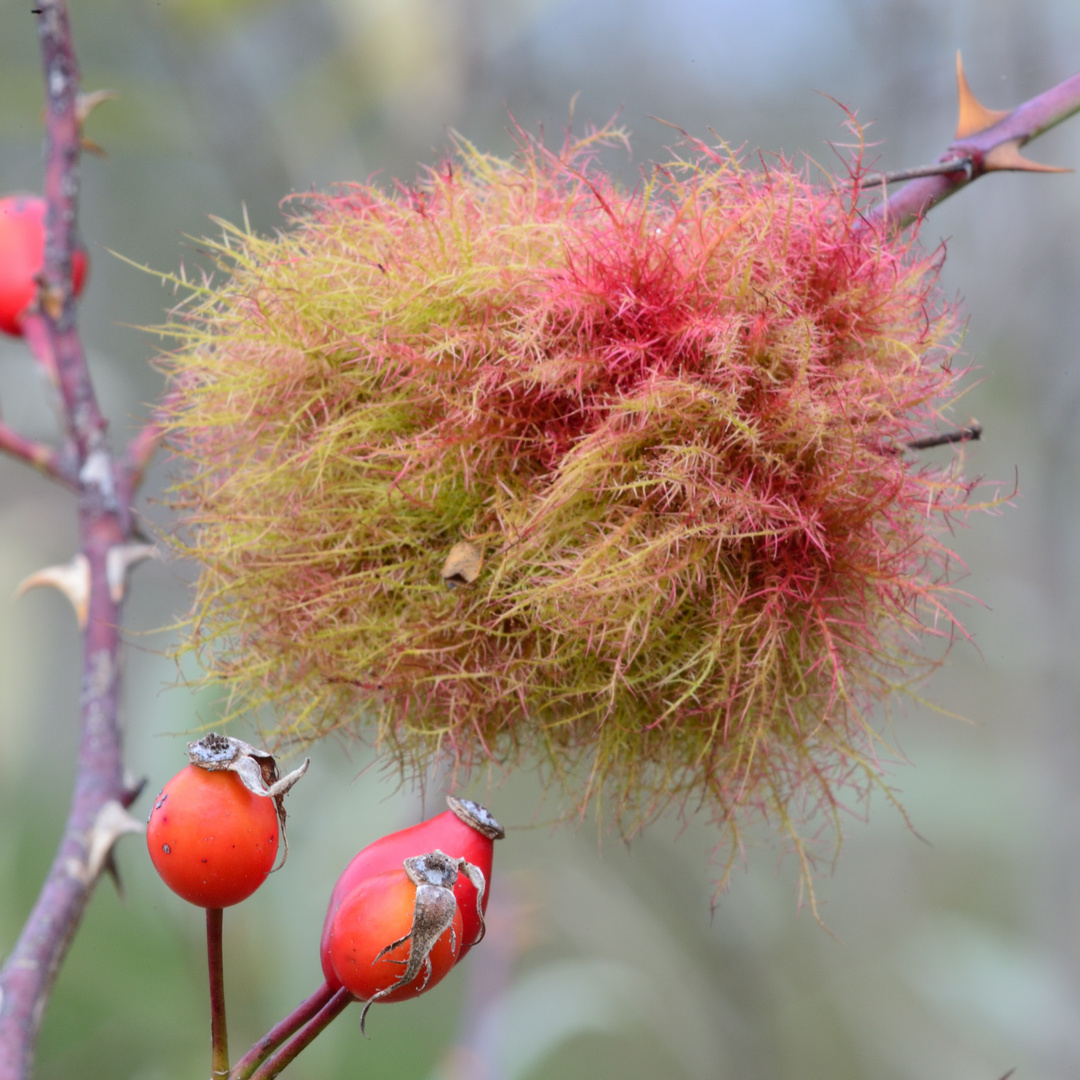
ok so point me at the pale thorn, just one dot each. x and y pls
(974, 115)
(133, 785)
(112, 822)
(84, 106)
(119, 559)
(1006, 157)
(86, 103)
(72, 579)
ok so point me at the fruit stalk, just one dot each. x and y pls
(289, 1025)
(278, 1060)
(219, 1035)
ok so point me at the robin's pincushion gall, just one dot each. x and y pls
(660, 431)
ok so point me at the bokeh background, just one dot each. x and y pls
(954, 953)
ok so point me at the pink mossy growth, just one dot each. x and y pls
(671, 419)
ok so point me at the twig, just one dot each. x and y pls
(142, 447)
(965, 434)
(99, 794)
(42, 457)
(292, 1023)
(939, 168)
(992, 147)
(278, 1060)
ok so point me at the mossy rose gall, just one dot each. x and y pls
(667, 424)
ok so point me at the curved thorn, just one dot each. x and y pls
(72, 579)
(119, 559)
(112, 822)
(1007, 156)
(974, 115)
(86, 103)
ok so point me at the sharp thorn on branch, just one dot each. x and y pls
(112, 822)
(72, 579)
(1006, 157)
(119, 561)
(113, 870)
(133, 787)
(974, 116)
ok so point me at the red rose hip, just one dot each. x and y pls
(212, 841)
(213, 832)
(378, 913)
(466, 831)
(22, 255)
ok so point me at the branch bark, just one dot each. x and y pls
(45, 458)
(99, 794)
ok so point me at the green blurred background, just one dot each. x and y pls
(956, 958)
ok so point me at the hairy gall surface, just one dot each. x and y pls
(668, 424)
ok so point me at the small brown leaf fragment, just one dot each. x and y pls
(463, 564)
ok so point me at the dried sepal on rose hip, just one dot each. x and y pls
(213, 833)
(421, 896)
(256, 768)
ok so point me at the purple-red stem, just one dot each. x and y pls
(219, 1032)
(290, 1024)
(104, 518)
(281, 1058)
(1021, 125)
(42, 457)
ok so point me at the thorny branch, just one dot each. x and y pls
(97, 815)
(986, 141)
